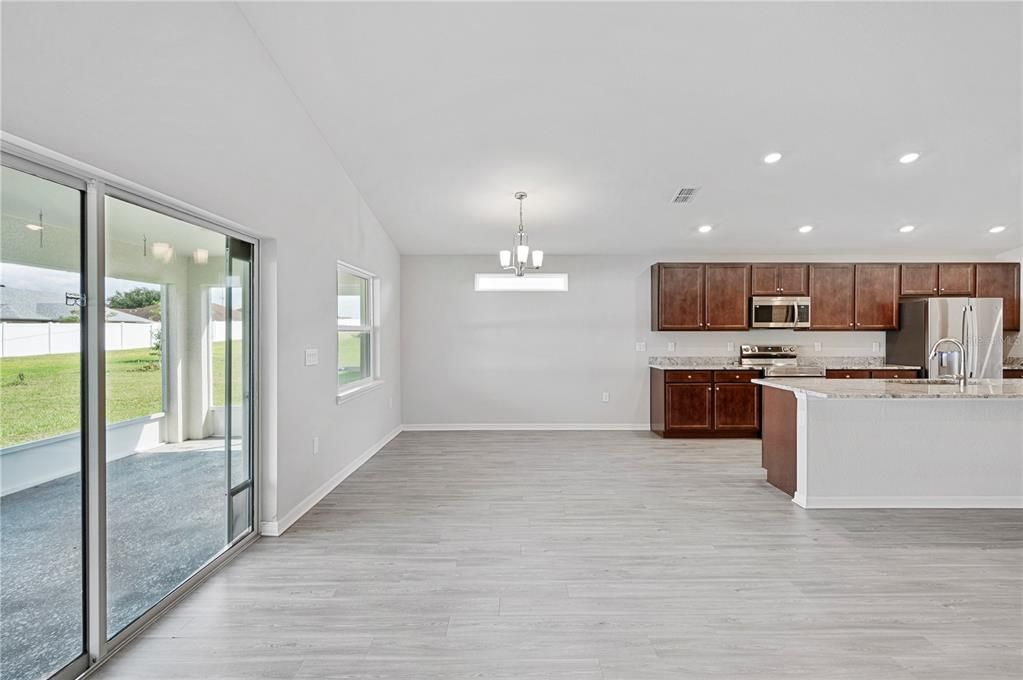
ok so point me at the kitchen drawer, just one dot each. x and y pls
(735, 376)
(688, 376)
(1012, 373)
(848, 373)
(895, 374)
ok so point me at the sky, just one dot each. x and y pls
(58, 281)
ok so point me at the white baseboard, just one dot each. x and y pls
(456, 427)
(278, 527)
(905, 502)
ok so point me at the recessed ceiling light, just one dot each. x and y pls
(703, 229)
(997, 230)
(772, 158)
(806, 229)
(33, 227)
(905, 229)
(909, 158)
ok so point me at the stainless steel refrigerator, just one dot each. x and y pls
(976, 322)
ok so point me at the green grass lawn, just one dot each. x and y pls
(219, 372)
(349, 354)
(40, 396)
(45, 402)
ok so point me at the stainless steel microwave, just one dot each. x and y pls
(781, 312)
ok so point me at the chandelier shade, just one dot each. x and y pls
(517, 259)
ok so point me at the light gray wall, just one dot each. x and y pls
(480, 358)
(184, 99)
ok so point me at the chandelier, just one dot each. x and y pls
(520, 248)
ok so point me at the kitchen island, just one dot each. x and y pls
(894, 443)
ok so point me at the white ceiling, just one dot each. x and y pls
(440, 112)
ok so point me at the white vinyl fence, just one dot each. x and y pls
(48, 337)
(218, 330)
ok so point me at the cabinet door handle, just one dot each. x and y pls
(717, 389)
(708, 389)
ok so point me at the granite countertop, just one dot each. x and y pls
(822, 388)
(683, 363)
(689, 363)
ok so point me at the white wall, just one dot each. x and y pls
(183, 98)
(471, 358)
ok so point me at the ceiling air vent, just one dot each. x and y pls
(685, 194)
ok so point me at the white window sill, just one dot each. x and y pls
(358, 390)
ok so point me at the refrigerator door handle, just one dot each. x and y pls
(965, 335)
(974, 342)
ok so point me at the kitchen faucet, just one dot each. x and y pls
(963, 364)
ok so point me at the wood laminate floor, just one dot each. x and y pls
(597, 555)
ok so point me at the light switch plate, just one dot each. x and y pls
(731, 347)
(876, 347)
(605, 397)
(312, 357)
(671, 347)
(816, 347)
(640, 346)
(316, 445)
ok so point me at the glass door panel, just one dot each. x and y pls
(42, 626)
(239, 369)
(166, 356)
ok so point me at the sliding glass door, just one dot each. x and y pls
(126, 430)
(173, 437)
(42, 626)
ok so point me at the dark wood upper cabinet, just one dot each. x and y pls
(727, 291)
(794, 279)
(677, 297)
(779, 279)
(688, 406)
(736, 406)
(919, 279)
(956, 279)
(832, 291)
(877, 297)
(1001, 280)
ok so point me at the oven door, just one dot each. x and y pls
(780, 312)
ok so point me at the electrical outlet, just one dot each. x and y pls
(312, 357)
(816, 347)
(876, 346)
(671, 347)
(640, 346)
(731, 347)
(316, 445)
(605, 397)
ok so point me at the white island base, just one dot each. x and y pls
(878, 444)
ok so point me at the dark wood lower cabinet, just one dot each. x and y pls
(850, 373)
(688, 406)
(704, 403)
(875, 373)
(736, 407)
(895, 374)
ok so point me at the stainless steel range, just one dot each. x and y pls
(777, 361)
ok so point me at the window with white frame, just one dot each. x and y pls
(355, 328)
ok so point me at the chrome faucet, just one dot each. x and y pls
(962, 364)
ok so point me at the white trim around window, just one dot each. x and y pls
(357, 318)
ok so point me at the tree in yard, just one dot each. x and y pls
(134, 298)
